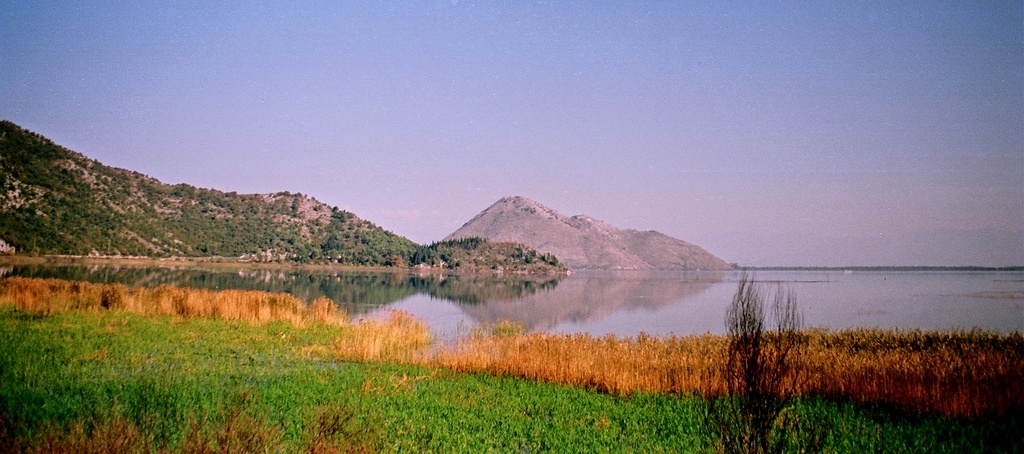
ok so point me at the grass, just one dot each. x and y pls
(164, 383)
(94, 380)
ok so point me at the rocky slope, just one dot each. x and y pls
(582, 242)
(57, 201)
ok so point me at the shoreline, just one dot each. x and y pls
(222, 263)
(218, 263)
(882, 268)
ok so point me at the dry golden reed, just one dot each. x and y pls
(968, 374)
(47, 296)
(609, 364)
(397, 337)
(960, 374)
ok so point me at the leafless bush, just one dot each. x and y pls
(762, 371)
(337, 429)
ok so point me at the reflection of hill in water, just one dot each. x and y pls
(538, 304)
(482, 290)
(357, 293)
(592, 295)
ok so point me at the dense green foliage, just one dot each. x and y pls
(56, 201)
(476, 254)
(167, 382)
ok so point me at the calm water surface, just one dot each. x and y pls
(623, 303)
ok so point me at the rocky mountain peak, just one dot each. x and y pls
(524, 204)
(581, 241)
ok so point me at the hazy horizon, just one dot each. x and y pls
(790, 134)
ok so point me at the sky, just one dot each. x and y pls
(828, 133)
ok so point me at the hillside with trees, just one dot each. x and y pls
(57, 201)
(480, 256)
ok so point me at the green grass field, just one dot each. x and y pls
(113, 381)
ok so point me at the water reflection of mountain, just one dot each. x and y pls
(356, 292)
(538, 304)
(482, 290)
(592, 295)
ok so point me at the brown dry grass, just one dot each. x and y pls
(967, 374)
(955, 374)
(398, 337)
(608, 364)
(45, 296)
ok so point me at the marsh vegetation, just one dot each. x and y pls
(199, 371)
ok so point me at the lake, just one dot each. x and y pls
(624, 303)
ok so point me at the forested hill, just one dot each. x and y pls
(57, 201)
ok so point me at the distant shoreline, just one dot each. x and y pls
(224, 262)
(232, 264)
(879, 268)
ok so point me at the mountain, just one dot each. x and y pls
(57, 201)
(583, 242)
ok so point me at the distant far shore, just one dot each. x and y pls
(879, 268)
(229, 264)
(226, 262)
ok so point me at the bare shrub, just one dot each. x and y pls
(762, 372)
(109, 436)
(113, 296)
(337, 429)
(240, 430)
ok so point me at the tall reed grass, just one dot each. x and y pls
(962, 374)
(608, 364)
(967, 374)
(397, 337)
(45, 296)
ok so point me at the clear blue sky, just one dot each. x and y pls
(788, 133)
